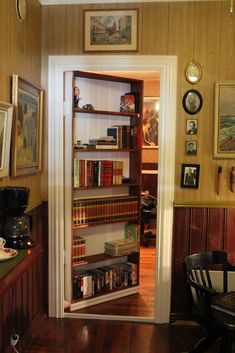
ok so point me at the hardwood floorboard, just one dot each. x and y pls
(89, 336)
(141, 304)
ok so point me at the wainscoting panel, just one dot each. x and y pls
(197, 229)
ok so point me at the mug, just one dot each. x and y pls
(2, 243)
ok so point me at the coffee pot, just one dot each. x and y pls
(17, 225)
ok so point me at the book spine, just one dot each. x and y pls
(76, 173)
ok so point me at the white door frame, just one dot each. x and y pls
(167, 65)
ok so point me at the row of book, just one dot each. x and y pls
(87, 284)
(88, 173)
(99, 210)
(78, 250)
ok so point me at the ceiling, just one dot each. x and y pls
(91, 2)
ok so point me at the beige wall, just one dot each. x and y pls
(203, 31)
(20, 54)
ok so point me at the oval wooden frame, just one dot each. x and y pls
(198, 101)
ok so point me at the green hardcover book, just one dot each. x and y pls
(132, 232)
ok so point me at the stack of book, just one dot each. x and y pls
(119, 247)
(99, 210)
(105, 142)
(78, 250)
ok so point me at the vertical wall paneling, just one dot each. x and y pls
(180, 251)
(215, 228)
(21, 55)
(229, 241)
(198, 229)
(197, 234)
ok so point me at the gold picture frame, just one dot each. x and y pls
(224, 120)
(150, 122)
(110, 30)
(27, 127)
(193, 72)
(6, 111)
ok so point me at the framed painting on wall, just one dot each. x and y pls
(6, 111)
(110, 30)
(27, 127)
(224, 120)
(150, 122)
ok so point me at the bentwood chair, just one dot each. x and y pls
(202, 294)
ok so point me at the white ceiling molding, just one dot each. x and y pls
(92, 2)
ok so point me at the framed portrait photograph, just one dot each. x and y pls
(192, 102)
(27, 127)
(6, 111)
(224, 120)
(190, 176)
(150, 122)
(190, 148)
(111, 30)
(191, 127)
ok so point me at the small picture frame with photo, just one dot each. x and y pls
(191, 148)
(191, 127)
(190, 176)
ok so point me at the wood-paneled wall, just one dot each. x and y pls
(23, 291)
(196, 230)
(20, 54)
(203, 31)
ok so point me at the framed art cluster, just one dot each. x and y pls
(192, 103)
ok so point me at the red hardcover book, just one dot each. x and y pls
(127, 103)
(82, 171)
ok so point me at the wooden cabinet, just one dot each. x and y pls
(103, 127)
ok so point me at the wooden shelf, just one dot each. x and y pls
(82, 150)
(107, 186)
(89, 124)
(81, 226)
(105, 112)
(98, 258)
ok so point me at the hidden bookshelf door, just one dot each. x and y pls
(101, 207)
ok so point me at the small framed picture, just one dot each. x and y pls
(190, 148)
(111, 30)
(26, 127)
(190, 176)
(191, 126)
(192, 101)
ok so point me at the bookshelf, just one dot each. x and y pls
(102, 187)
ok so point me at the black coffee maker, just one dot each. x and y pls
(16, 226)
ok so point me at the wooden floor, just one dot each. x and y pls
(96, 336)
(141, 304)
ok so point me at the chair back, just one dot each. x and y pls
(199, 284)
(198, 266)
